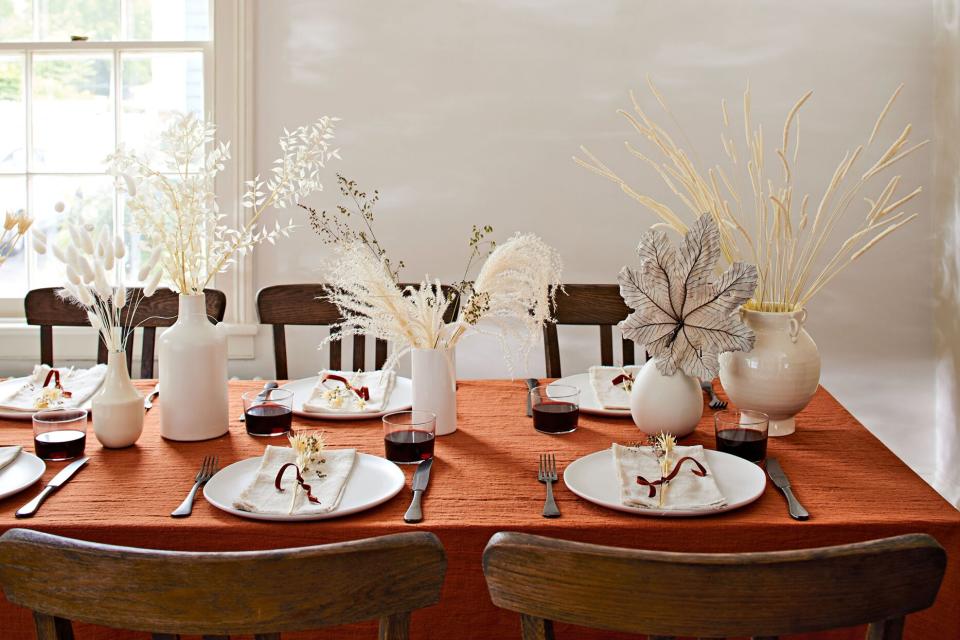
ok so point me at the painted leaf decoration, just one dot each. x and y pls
(684, 316)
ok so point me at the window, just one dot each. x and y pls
(77, 78)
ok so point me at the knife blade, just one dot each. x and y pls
(421, 477)
(780, 479)
(56, 482)
(532, 383)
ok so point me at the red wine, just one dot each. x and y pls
(748, 444)
(65, 444)
(413, 445)
(268, 419)
(555, 417)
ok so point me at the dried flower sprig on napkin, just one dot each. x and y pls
(788, 234)
(175, 207)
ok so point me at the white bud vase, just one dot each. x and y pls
(433, 373)
(193, 375)
(779, 375)
(117, 407)
(668, 404)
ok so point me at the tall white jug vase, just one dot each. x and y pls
(118, 406)
(782, 372)
(193, 375)
(668, 404)
(434, 377)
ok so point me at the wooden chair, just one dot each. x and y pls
(43, 307)
(587, 304)
(305, 304)
(713, 595)
(218, 594)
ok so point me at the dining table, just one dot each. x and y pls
(484, 480)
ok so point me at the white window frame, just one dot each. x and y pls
(228, 95)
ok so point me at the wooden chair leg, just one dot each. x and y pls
(280, 351)
(336, 360)
(359, 353)
(46, 345)
(532, 628)
(606, 345)
(380, 354)
(147, 352)
(395, 627)
(266, 636)
(101, 351)
(164, 636)
(889, 629)
(52, 628)
(628, 352)
(551, 350)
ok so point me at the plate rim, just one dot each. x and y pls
(607, 413)
(43, 469)
(666, 513)
(345, 416)
(336, 513)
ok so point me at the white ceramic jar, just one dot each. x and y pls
(782, 372)
(117, 407)
(668, 404)
(433, 374)
(193, 375)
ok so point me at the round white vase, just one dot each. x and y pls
(665, 404)
(780, 374)
(433, 373)
(117, 407)
(193, 375)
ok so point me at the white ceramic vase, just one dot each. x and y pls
(193, 375)
(668, 404)
(433, 373)
(118, 406)
(780, 374)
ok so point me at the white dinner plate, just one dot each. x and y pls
(9, 387)
(372, 481)
(20, 474)
(588, 399)
(594, 478)
(401, 399)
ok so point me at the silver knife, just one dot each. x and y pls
(58, 480)
(420, 479)
(532, 383)
(775, 471)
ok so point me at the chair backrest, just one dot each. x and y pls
(584, 304)
(713, 595)
(306, 304)
(221, 594)
(45, 308)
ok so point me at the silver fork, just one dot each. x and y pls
(715, 402)
(547, 474)
(207, 469)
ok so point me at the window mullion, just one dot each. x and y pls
(117, 131)
(30, 257)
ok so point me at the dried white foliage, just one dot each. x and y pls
(784, 239)
(93, 282)
(683, 315)
(174, 205)
(15, 226)
(513, 291)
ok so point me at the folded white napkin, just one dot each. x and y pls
(8, 455)
(685, 492)
(261, 496)
(608, 395)
(81, 383)
(379, 383)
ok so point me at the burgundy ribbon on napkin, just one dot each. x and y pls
(55, 374)
(303, 485)
(699, 471)
(363, 392)
(620, 379)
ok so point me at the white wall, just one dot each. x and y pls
(468, 112)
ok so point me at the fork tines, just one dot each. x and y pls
(207, 468)
(548, 468)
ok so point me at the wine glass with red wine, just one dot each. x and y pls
(268, 412)
(742, 433)
(408, 436)
(59, 434)
(556, 408)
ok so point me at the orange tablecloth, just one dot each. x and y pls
(484, 481)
